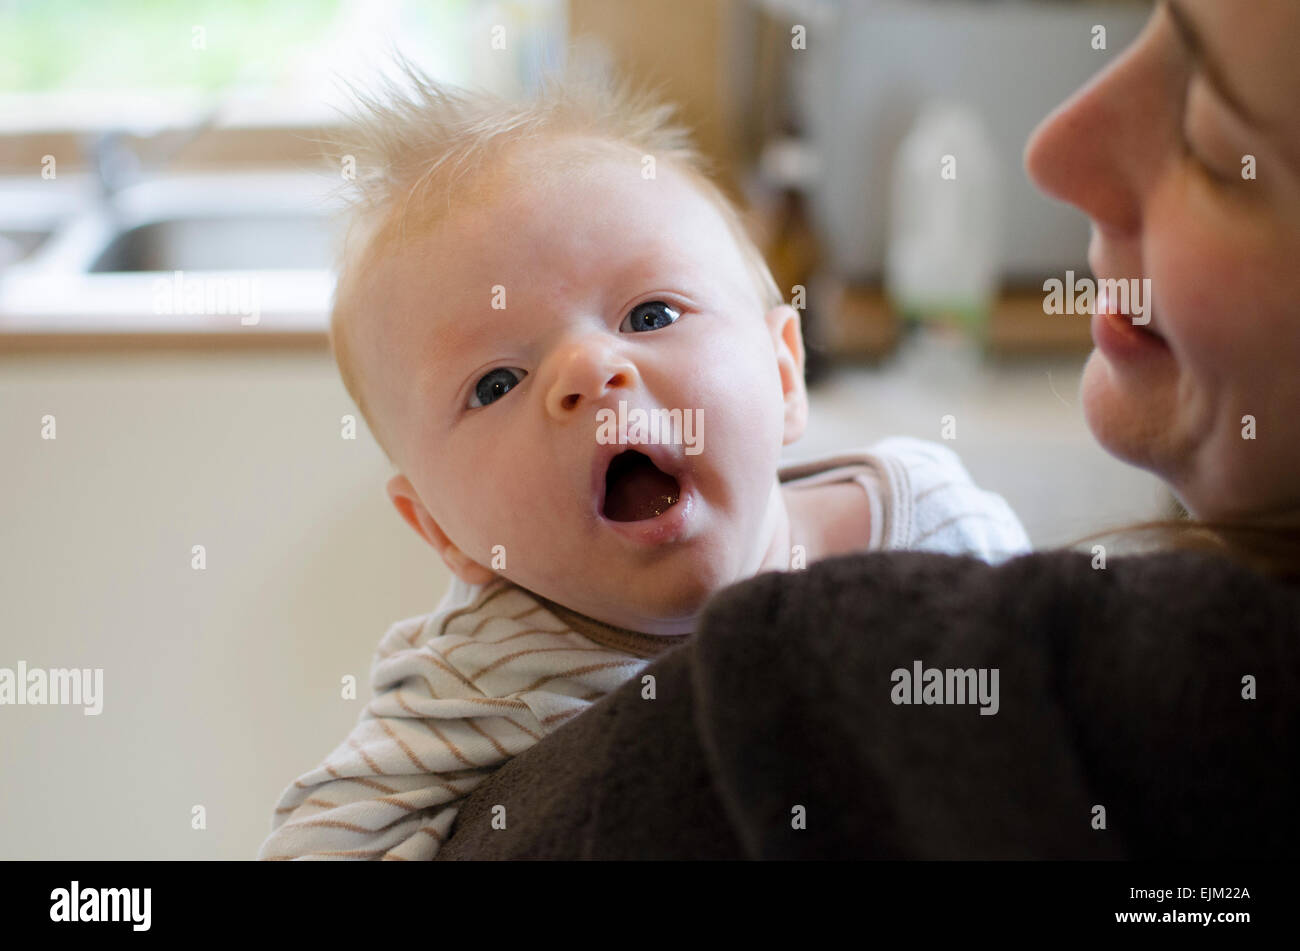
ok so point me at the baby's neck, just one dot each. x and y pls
(818, 522)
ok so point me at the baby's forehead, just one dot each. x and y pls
(582, 219)
(590, 174)
(536, 211)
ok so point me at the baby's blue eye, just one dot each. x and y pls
(659, 315)
(495, 384)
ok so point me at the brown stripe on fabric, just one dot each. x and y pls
(455, 793)
(482, 621)
(431, 658)
(415, 760)
(360, 779)
(352, 742)
(533, 650)
(433, 694)
(501, 640)
(496, 701)
(535, 630)
(562, 715)
(487, 596)
(581, 670)
(438, 780)
(434, 777)
(401, 805)
(394, 858)
(524, 614)
(455, 751)
(397, 695)
(490, 701)
(430, 830)
(447, 652)
(470, 721)
(621, 639)
(391, 791)
(514, 722)
(327, 824)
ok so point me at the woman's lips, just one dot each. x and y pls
(1116, 334)
(1118, 337)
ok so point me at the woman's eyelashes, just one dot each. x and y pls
(652, 315)
(1204, 138)
(494, 384)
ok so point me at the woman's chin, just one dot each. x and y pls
(1118, 418)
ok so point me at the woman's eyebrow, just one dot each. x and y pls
(1191, 37)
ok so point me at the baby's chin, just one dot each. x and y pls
(655, 608)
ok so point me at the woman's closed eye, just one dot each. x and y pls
(657, 313)
(1194, 134)
(494, 384)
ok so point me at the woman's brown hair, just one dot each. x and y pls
(1269, 543)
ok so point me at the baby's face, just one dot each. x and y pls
(498, 340)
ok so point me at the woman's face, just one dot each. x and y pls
(1185, 154)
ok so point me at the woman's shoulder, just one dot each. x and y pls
(1111, 685)
(1058, 572)
(1043, 590)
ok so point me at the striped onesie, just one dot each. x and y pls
(496, 667)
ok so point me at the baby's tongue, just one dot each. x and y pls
(635, 489)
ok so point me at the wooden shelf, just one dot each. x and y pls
(860, 324)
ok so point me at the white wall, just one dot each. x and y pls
(222, 685)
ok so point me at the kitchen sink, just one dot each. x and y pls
(17, 244)
(271, 242)
(102, 266)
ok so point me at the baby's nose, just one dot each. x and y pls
(585, 375)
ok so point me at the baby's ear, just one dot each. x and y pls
(412, 510)
(787, 341)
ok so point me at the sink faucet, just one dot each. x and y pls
(117, 165)
(114, 162)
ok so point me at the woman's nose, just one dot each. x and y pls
(1099, 149)
(586, 369)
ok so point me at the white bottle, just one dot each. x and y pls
(944, 247)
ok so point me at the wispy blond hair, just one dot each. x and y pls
(416, 143)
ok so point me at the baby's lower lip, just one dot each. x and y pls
(666, 527)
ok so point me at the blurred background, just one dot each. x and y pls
(142, 139)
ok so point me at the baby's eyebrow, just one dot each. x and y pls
(450, 342)
(458, 332)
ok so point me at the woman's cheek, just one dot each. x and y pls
(1194, 274)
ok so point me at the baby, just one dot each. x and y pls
(565, 341)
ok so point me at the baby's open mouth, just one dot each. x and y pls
(636, 489)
